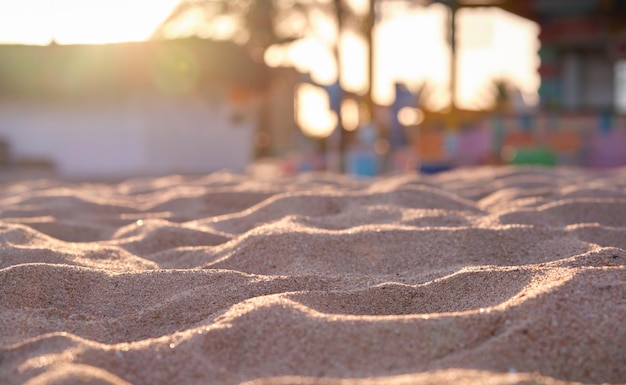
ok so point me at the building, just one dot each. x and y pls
(581, 116)
(154, 107)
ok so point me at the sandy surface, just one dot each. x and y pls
(488, 275)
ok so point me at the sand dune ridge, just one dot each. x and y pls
(478, 275)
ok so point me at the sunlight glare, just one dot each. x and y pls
(74, 21)
(312, 111)
(360, 7)
(409, 42)
(191, 20)
(350, 114)
(411, 47)
(26, 21)
(353, 55)
(324, 28)
(275, 56)
(309, 55)
(224, 27)
(410, 116)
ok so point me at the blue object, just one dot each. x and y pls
(526, 122)
(605, 123)
(362, 163)
(434, 168)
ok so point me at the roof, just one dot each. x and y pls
(579, 24)
(538, 10)
(169, 66)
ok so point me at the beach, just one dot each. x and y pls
(486, 275)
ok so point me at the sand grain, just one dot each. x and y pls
(486, 275)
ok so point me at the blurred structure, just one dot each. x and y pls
(581, 42)
(257, 25)
(208, 102)
(580, 118)
(186, 105)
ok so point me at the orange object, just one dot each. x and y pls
(519, 139)
(565, 142)
(430, 145)
(238, 95)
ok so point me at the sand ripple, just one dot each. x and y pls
(485, 275)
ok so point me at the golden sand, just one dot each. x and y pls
(485, 275)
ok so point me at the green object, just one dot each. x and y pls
(534, 155)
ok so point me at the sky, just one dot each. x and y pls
(76, 21)
(410, 44)
(411, 48)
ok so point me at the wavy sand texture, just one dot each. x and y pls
(485, 275)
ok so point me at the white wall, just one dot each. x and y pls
(194, 136)
(145, 135)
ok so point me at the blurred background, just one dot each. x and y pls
(117, 88)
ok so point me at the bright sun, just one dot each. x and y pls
(409, 42)
(76, 21)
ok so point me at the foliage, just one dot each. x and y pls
(258, 23)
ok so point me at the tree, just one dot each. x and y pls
(255, 23)
(259, 24)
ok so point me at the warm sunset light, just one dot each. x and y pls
(312, 112)
(410, 44)
(350, 114)
(410, 47)
(312, 191)
(409, 116)
(75, 21)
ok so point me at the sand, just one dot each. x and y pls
(479, 275)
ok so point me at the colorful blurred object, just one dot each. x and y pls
(532, 156)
